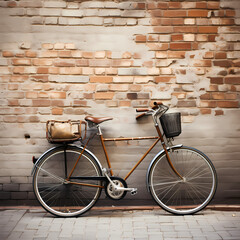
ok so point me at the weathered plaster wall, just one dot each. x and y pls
(68, 59)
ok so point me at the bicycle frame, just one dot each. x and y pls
(103, 140)
(158, 138)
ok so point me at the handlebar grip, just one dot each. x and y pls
(140, 115)
(142, 109)
(158, 103)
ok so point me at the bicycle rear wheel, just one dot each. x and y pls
(66, 198)
(182, 196)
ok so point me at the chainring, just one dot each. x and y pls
(115, 194)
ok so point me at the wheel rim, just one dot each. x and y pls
(185, 196)
(57, 195)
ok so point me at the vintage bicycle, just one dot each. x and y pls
(68, 179)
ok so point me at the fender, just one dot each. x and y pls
(54, 148)
(156, 156)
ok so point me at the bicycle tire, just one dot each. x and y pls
(60, 197)
(187, 196)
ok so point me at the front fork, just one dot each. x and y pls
(166, 152)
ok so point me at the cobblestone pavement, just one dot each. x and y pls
(115, 224)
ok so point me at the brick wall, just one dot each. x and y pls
(68, 59)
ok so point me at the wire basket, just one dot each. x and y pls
(171, 124)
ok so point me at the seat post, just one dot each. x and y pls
(99, 130)
(104, 149)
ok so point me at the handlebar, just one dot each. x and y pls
(156, 109)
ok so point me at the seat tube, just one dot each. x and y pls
(104, 149)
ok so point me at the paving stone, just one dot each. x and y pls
(119, 225)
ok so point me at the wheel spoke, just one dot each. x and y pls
(61, 197)
(185, 196)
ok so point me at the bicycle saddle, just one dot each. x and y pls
(97, 120)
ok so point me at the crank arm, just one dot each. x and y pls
(132, 190)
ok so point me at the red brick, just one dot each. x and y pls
(163, 29)
(42, 70)
(197, 13)
(64, 63)
(151, 6)
(30, 54)
(124, 103)
(209, 55)
(218, 96)
(180, 46)
(207, 29)
(162, 5)
(165, 21)
(99, 63)
(12, 86)
(18, 78)
(163, 79)
(230, 13)
(57, 95)
(205, 96)
(176, 54)
(57, 103)
(40, 78)
(156, 13)
(79, 103)
(31, 95)
(47, 46)
(141, 38)
(205, 111)
(42, 62)
(212, 38)
(7, 54)
(13, 102)
(21, 62)
(104, 95)
(12, 4)
(220, 55)
(177, 37)
(227, 21)
(228, 104)
(177, 21)
(49, 54)
(57, 111)
(87, 55)
(175, 13)
(232, 80)
(219, 112)
(65, 54)
(202, 63)
(222, 63)
(121, 63)
(213, 5)
(158, 46)
(70, 70)
(186, 104)
(82, 63)
(185, 29)
(230, 96)
(208, 104)
(19, 70)
(201, 5)
(216, 80)
(101, 79)
(41, 103)
(175, 5)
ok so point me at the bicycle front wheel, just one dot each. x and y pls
(191, 193)
(61, 197)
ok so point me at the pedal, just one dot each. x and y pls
(134, 191)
